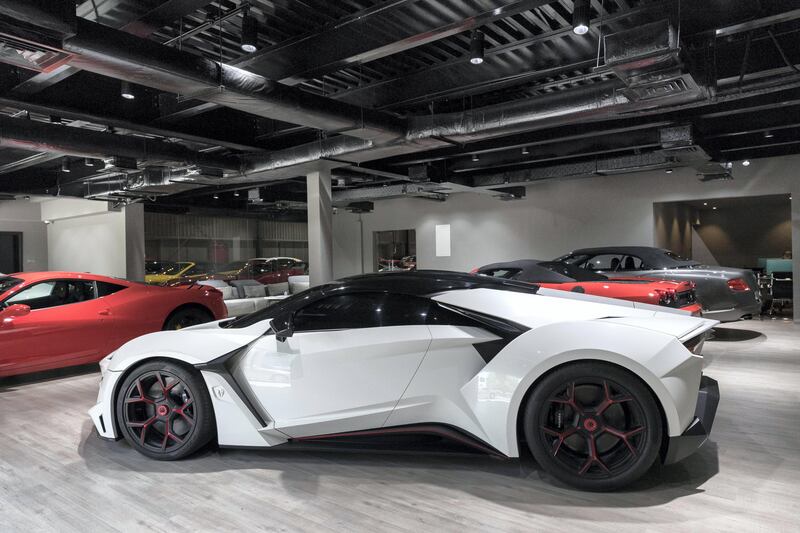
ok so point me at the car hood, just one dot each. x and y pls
(550, 306)
(194, 345)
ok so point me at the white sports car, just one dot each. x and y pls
(597, 389)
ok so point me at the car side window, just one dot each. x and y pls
(262, 268)
(104, 289)
(285, 264)
(606, 262)
(631, 262)
(54, 293)
(362, 310)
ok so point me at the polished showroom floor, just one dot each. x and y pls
(55, 475)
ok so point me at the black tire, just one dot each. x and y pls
(186, 317)
(569, 419)
(164, 411)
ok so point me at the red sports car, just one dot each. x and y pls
(553, 275)
(57, 319)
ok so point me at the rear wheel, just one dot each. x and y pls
(164, 410)
(593, 425)
(184, 318)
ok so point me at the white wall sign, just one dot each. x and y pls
(443, 240)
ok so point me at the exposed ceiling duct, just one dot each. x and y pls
(43, 137)
(648, 75)
(118, 54)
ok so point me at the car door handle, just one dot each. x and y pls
(104, 312)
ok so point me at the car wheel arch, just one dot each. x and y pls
(130, 369)
(523, 400)
(185, 307)
(528, 384)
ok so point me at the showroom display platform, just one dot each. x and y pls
(55, 474)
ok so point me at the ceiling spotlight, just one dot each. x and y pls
(125, 91)
(64, 165)
(525, 150)
(714, 208)
(705, 203)
(581, 14)
(249, 32)
(768, 134)
(746, 163)
(476, 47)
(236, 193)
(216, 197)
(475, 158)
(668, 171)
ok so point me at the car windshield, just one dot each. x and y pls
(572, 271)
(174, 269)
(236, 265)
(6, 282)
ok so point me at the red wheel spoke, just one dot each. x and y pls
(593, 458)
(142, 396)
(560, 435)
(570, 399)
(186, 417)
(624, 436)
(609, 400)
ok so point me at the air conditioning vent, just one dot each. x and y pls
(24, 54)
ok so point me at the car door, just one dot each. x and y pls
(345, 367)
(65, 326)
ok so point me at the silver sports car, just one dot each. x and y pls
(727, 294)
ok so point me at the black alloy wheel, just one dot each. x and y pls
(164, 411)
(594, 426)
(185, 318)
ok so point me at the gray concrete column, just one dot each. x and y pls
(795, 210)
(320, 227)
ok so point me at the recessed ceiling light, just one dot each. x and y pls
(475, 157)
(668, 171)
(768, 134)
(580, 17)
(249, 32)
(125, 91)
(705, 203)
(525, 150)
(715, 207)
(236, 193)
(216, 197)
(476, 45)
(746, 163)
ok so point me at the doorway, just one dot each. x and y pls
(395, 250)
(10, 252)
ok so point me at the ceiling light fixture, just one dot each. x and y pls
(705, 203)
(475, 158)
(581, 14)
(668, 171)
(249, 32)
(64, 165)
(768, 134)
(88, 162)
(125, 91)
(216, 197)
(476, 45)
(236, 193)
(714, 208)
(746, 163)
(525, 150)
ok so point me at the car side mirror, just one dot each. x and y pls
(283, 333)
(15, 310)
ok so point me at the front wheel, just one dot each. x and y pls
(164, 410)
(594, 426)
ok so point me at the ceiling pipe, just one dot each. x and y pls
(36, 136)
(118, 54)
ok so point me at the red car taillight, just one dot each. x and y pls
(738, 285)
(667, 297)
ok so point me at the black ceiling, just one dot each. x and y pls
(405, 59)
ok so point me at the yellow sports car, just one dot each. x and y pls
(175, 271)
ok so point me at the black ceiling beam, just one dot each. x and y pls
(353, 41)
(446, 78)
(144, 26)
(116, 122)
